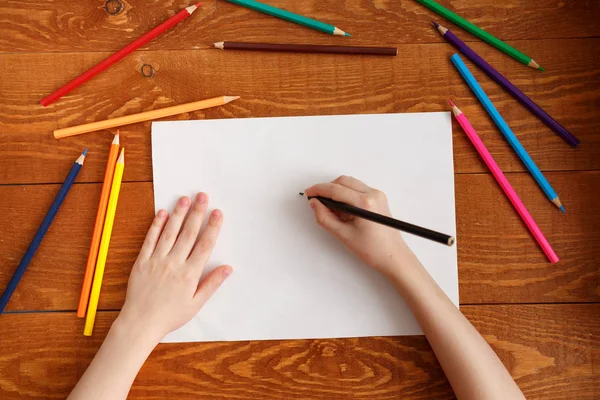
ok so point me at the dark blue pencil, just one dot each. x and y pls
(39, 235)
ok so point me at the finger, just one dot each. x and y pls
(352, 183)
(189, 234)
(336, 192)
(208, 287)
(153, 235)
(205, 245)
(171, 231)
(326, 218)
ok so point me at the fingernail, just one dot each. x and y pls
(217, 214)
(184, 201)
(202, 198)
(161, 213)
(227, 272)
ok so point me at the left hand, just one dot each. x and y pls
(164, 290)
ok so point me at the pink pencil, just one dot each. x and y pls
(504, 184)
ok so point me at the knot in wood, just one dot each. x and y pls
(114, 7)
(147, 70)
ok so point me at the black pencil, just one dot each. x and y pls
(385, 220)
(308, 48)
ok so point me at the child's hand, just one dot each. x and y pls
(379, 246)
(164, 290)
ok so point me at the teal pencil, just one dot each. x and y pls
(506, 131)
(289, 16)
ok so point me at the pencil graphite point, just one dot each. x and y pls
(84, 152)
(301, 194)
(435, 24)
(346, 34)
(451, 103)
(562, 209)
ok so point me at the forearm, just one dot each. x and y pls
(472, 367)
(115, 366)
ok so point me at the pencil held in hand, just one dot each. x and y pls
(385, 220)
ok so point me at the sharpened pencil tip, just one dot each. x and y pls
(347, 34)
(84, 152)
(451, 103)
(301, 194)
(541, 68)
(435, 24)
(563, 209)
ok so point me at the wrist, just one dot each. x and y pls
(134, 333)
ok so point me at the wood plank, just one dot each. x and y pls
(62, 25)
(498, 260)
(551, 350)
(290, 84)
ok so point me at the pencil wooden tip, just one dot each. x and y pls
(339, 32)
(193, 8)
(535, 65)
(116, 139)
(121, 159)
(219, 45)
(81, 158)
(229, 99)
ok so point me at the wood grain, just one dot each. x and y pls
(551, 350)
(99, 25)
(290, 84)
(498, 260)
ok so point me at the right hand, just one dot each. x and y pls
(379, 246)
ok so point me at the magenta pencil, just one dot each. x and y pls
(504, 184)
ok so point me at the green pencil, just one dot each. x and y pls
(288, 16)
(481, 34)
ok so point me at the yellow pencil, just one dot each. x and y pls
(104, 242)
(144, 116)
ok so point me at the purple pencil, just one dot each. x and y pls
(509, 87)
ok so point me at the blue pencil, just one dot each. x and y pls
(39, 235)
(506, 131)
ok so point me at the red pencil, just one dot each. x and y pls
(119, 55)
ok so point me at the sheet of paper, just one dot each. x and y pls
(293, 280)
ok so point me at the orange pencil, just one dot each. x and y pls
(91, 262)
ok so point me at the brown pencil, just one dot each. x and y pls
(308, 48)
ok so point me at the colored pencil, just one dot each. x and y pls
(104, 244)
(119, 55)
(385, 220)
(506, 131)
(308, 48)
(504, 184)
(480, 33)
(289, 16)
(41, 232)
(97, 234)
(144, 116)
(508, 86)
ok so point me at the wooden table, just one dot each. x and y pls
(543, 320)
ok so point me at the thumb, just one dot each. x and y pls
(208, 287)
(326, 218)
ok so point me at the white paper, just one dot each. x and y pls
(293, 280)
